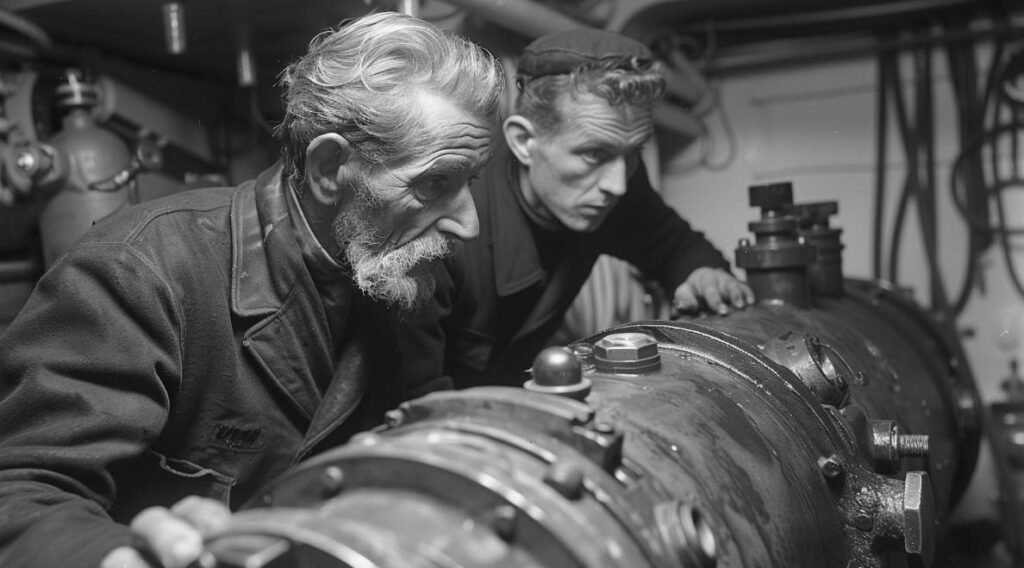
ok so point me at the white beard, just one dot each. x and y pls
(382, 271)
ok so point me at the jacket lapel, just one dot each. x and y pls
(269, 281)
(568, 275)
(515, 256)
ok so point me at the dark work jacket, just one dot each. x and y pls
(495, 306)
(179, 349)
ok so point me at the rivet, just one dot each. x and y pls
(332, 479)
(830, 467)
(503, 521)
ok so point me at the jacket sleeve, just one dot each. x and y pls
(84, 375)
(644, 231)
(422, 339)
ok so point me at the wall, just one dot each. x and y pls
(815, 126)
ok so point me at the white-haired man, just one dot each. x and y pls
(190, 349)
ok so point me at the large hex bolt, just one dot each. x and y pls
(630, 352)
(919, 516)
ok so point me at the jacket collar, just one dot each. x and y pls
(290, 339)
(258, 216)
(516, 260)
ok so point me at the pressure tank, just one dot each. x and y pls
(832, 425)
(96, 176)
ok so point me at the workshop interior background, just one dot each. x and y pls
(908, 113)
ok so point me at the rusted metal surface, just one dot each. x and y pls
(721, 457)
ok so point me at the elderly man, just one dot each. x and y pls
(567, 186)
(188, 350)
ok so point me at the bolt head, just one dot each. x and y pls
(503, 521)
(25, 161)
(394, 418)
(830, 467)
(918, 515)
(332, 479)
(626, 347)
(566, 478)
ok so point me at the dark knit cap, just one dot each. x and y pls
(561, 52)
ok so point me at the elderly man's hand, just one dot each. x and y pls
(711, 288)
(173, 537)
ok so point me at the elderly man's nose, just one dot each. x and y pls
(460, 220)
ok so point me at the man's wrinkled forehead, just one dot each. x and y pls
(562, 52)
(445, 130)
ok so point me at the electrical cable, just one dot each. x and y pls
(26, 29)
(989, 137)
(256, 115)
(730, 136)
(882, 148)
(909, 140)
(963, 78)
(925, 190)
(1006, 246)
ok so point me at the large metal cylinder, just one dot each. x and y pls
(834, 429)
(706, 453)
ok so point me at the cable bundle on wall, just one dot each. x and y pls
(977, 187)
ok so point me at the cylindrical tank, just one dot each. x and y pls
(866, 347)
(704, 453)
(818, 428)
(97, 176)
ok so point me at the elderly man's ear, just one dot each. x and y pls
(521, 136)
(330, 169)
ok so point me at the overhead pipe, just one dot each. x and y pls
(409, 7)
(524, 16)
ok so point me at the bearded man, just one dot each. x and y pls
(187, 350)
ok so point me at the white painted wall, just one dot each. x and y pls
(815, 126)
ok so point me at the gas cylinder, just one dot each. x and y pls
(98, 172)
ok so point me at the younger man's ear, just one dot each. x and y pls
(328, 167)
(521, 136)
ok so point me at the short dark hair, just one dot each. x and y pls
(638, 82)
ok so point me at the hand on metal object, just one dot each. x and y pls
(712, 289)
(172, 538)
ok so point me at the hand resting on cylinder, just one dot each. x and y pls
(172, 538)
(713, 289)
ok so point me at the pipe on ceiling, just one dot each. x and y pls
(527, 17)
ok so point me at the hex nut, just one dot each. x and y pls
(918, 515)
(626, 347)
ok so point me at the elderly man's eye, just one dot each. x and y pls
(431, 188)
(595, 156)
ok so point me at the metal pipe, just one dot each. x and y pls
(767, 55)
(19, 270)
(409, 7)
(524, 16)
(174, 27)
(677, 120)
